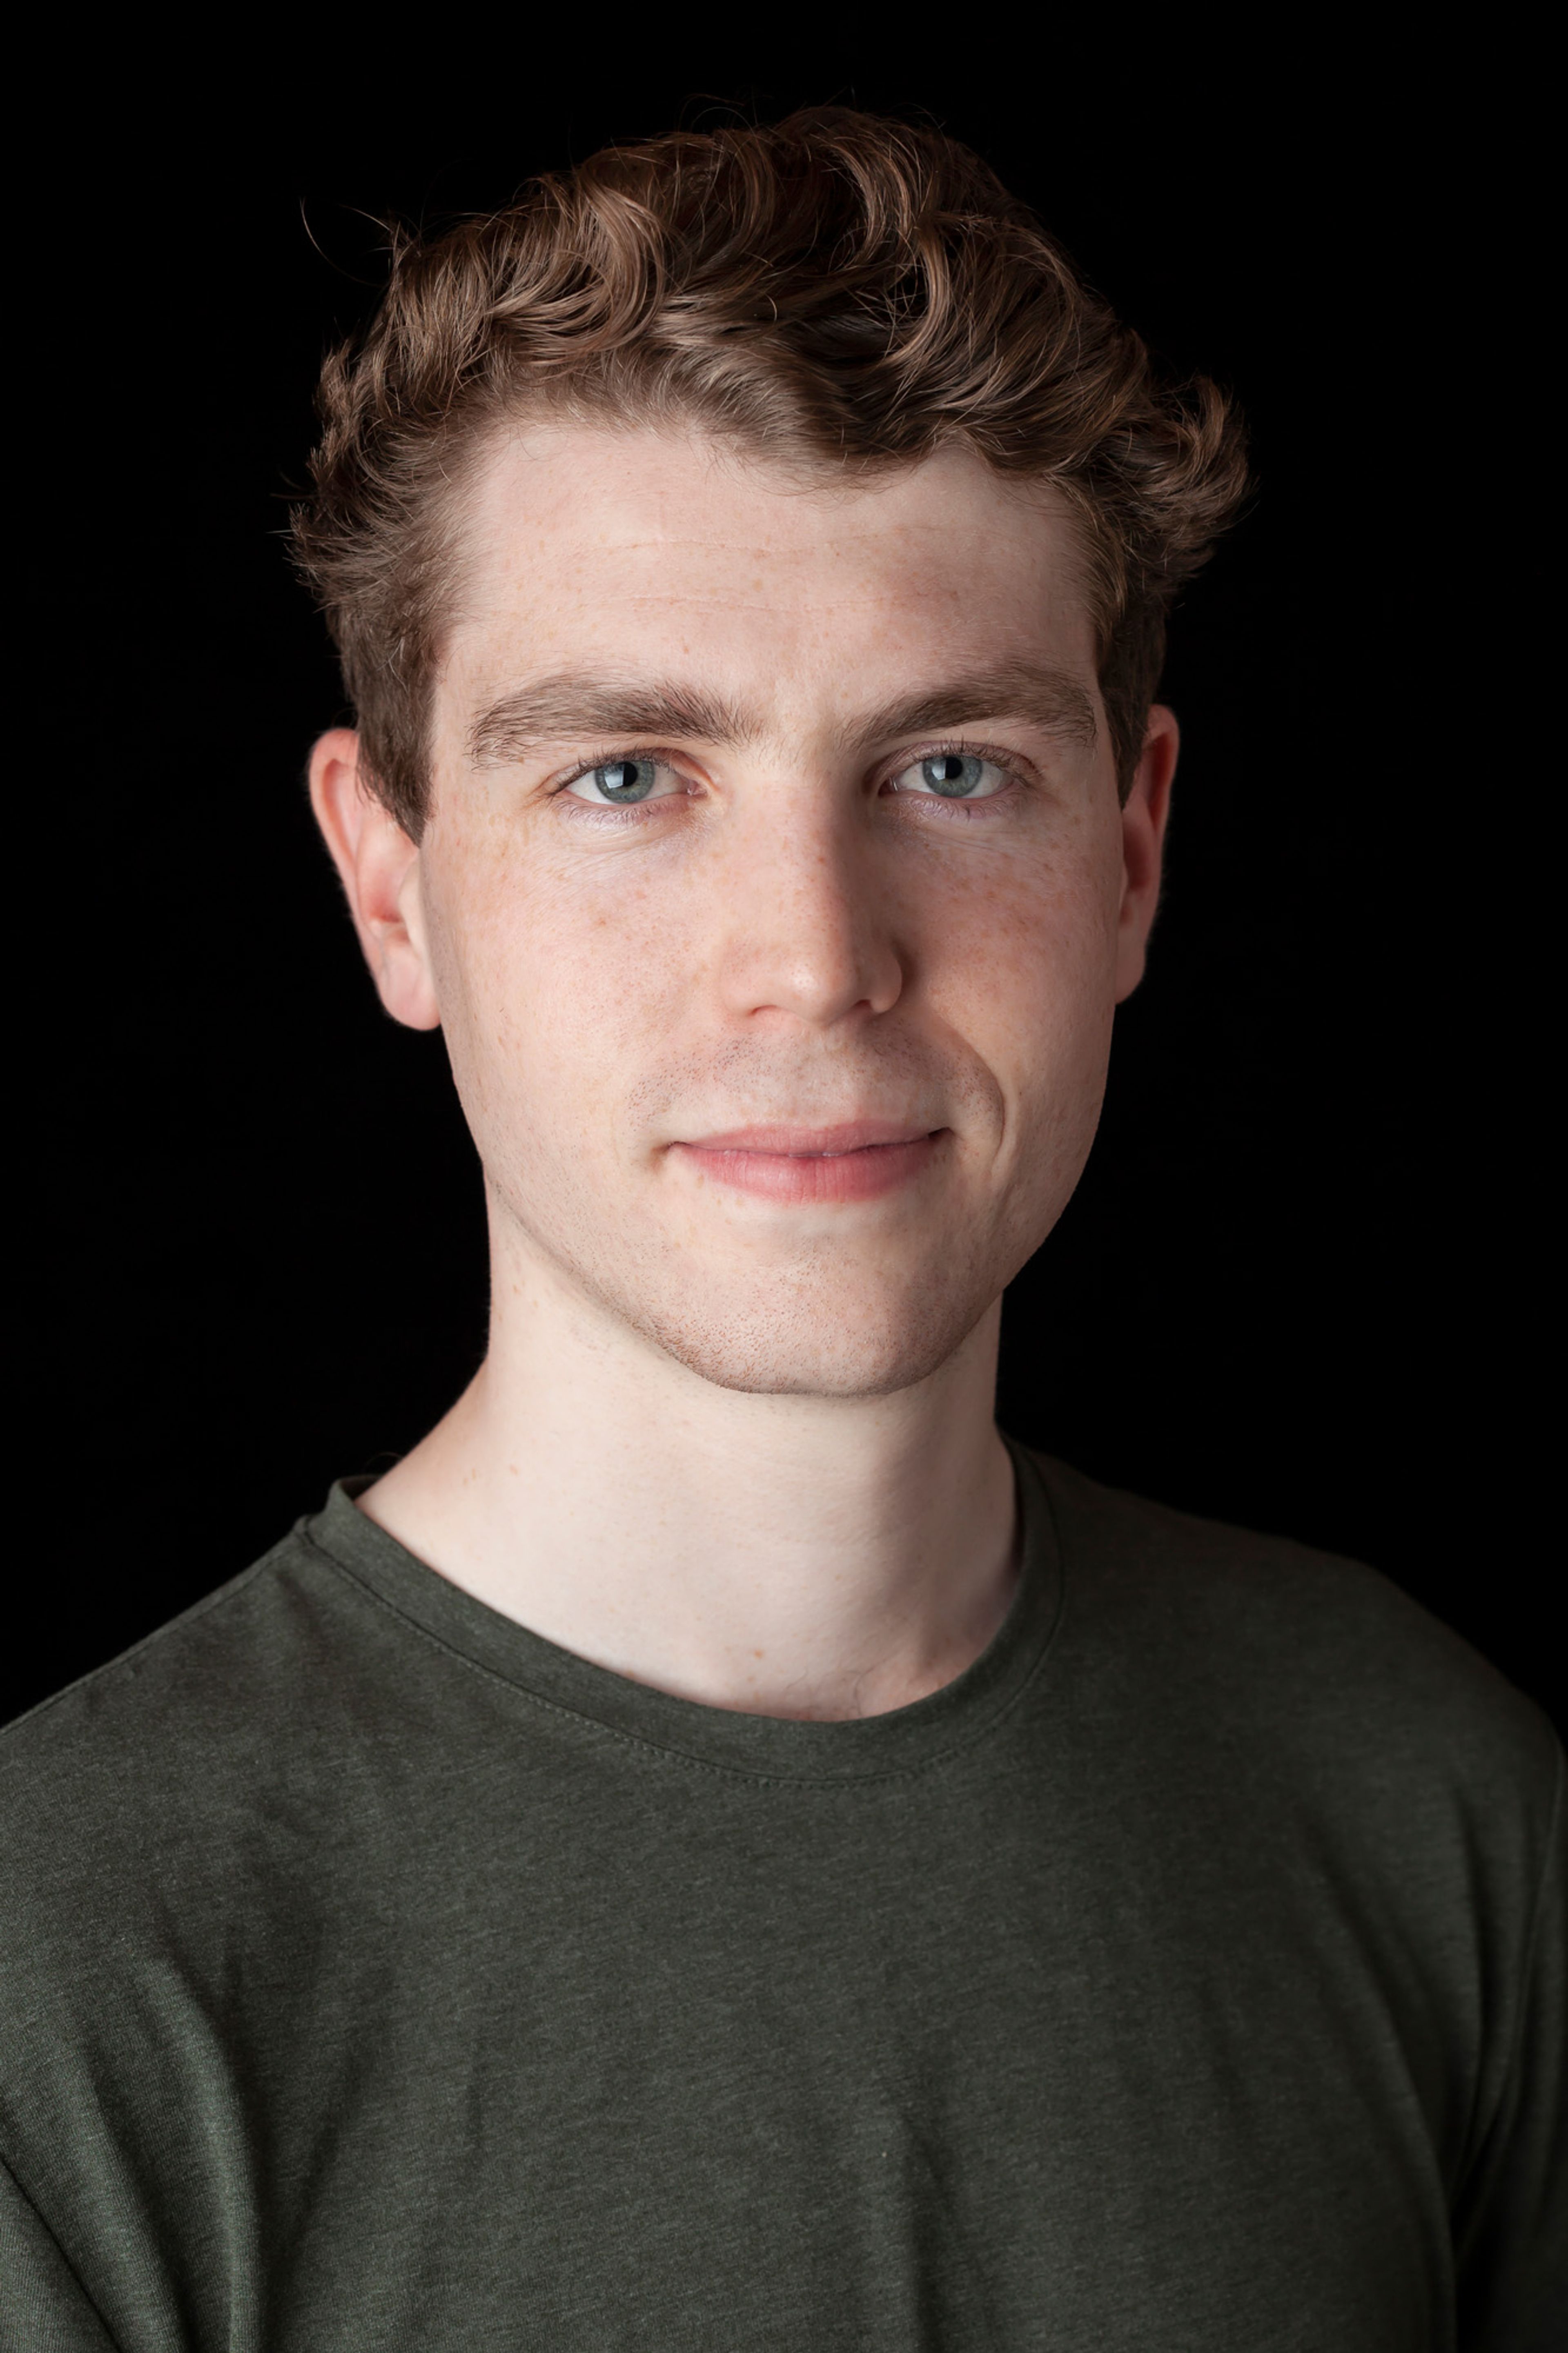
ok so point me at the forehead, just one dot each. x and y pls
(579, 543)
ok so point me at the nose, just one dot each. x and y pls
(807, 932)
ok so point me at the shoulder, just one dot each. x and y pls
(197, 1678)
(1365, 1815)
(133, 1781)
(1297, 1659)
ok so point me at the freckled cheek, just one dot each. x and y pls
(1026, 981)
(1024, 942)
(560, 981)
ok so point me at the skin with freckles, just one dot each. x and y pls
(775, 900)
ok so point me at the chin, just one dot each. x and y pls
(830, 1341)
(829, 1316)
(826, 1372)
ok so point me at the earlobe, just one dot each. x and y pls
(378, 866)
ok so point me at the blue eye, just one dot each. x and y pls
(954, 777)
(624, 780)
(952, 774)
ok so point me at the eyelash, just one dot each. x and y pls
(959, 747)
(961, 812)
(629, 814)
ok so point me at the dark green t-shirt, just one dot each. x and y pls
(1189, 1974)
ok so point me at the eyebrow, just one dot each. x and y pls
(577, 705)
(1047, 698)
(574, 704)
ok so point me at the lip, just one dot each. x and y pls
(856, 1161)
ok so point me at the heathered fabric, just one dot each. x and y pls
(1189, 1974)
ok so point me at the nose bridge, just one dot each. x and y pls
(805, 927)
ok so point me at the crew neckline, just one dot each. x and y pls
(902, 1740)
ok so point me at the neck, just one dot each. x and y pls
(817, 1557)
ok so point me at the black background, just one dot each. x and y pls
(1298, 1287)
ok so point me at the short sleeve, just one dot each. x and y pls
(1512, 2226)
(43, 2306)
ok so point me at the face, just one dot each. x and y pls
(775, 896)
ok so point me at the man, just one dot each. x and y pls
(716, 1847)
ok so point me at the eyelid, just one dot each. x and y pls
(660, 755)
(1016, 769)
(1013, 766)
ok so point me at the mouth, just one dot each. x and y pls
(857, 1161)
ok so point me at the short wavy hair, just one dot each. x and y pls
(838, 292)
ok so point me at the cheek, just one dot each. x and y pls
(1038, 1007)
(543, 980)
(1025, 960)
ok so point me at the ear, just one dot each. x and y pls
(1143, 845)
(379, 869)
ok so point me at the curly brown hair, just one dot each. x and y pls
(838, 292)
